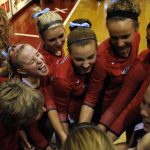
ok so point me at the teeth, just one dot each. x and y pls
(42, 66)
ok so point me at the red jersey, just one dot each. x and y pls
(51, 60)
(2, 79)
(69, 88)
(8, 138)
(109, 74)
(33, 129)
(132, 83)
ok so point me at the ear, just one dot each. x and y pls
(21, 71)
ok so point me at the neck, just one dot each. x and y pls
(33, 82)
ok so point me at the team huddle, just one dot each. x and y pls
(85, 99)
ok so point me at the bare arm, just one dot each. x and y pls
(57, 125)
(86, 114)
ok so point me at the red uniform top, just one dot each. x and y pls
(8, 138)
(109, 73)
(2, 79)
(33, 129)
(133, 81)
(69, 88)
(51, 60)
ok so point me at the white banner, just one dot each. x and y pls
(18, 4)
(6, 5)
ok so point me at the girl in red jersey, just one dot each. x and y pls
(19, 105)
(126, 99)
(28, 65)
(116, 56)
(71, 80)
(51, 30)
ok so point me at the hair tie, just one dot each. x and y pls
(84, 25)
(79, 40)
(4, 54)
(35, 16)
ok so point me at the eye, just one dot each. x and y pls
(52, 40)
(91, 57)
(78, 59)
(113, 37)
(61, 36)
(125, 36)
(32, 61)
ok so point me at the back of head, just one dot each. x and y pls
(81, 36)
(87, 136)
(148, 26)
(144, 143)
(19, 104)
(123, 9)
(46, 19)
(5, 31)
(82, 22)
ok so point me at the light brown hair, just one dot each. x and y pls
(19, 104)
(47, 20)
(87, 136)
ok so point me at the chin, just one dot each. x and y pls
(85, 71)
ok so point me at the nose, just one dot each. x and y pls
(86, 64)
(120, 43)
(144, 112)
(59, 41)
(39, 60)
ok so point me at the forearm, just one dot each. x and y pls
(65, 127)
(57, 124)
(111, 136)
(86, 114)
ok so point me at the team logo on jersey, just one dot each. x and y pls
(125, 70)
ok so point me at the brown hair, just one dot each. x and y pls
(81, 36)
(19, 104)
(123, 9)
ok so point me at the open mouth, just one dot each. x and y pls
(43, 68)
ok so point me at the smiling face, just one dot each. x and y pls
(145, 110)
(32, 62)
(54, 39)
(121, 35)
(83, 57)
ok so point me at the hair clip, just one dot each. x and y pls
(4, 53)
(35, 16)
(86, 25)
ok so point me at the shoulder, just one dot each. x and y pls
(64, 69)
(104, 46)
